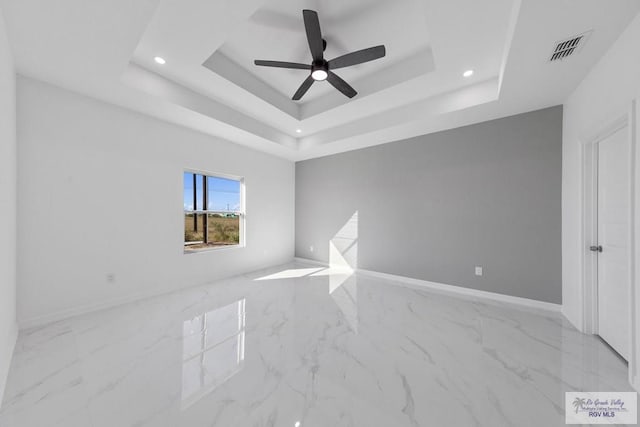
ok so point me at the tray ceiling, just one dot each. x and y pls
(106, 50)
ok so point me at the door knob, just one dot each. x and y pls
(595, 248)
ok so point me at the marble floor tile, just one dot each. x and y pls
(301, 346)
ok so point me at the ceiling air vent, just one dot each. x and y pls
(568, 47)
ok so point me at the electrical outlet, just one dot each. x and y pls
(111, 278)
(478, 270)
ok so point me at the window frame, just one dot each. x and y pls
(241, 213)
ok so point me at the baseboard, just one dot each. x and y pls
(4, 370)
(452, 289)
(37, 321)
(311, 261)
(467, 292)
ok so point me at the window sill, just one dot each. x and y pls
(213, 249)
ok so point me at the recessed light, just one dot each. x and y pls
(159, 60)
(468, 73)
(319, 75)
(297, 424)
(298, 130)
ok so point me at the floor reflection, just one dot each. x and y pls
(213, 350)
(344, 291)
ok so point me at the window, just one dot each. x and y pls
(213, 211)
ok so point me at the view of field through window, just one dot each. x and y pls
(212, 211)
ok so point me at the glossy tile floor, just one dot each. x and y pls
(301, 346)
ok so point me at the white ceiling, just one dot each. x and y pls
(106, 49)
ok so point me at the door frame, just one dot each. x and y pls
(590, 230)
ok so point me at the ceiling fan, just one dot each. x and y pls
(320, 68)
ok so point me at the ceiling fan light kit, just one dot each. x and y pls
(320, 71)
(320, 68)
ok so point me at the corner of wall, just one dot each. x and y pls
(573, 318)
(6, 356)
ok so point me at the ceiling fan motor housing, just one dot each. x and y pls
(320, 70)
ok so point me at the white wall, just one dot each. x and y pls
(100, 192)
(602, 97)
(8, 329)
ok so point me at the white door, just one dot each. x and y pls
(613, 240)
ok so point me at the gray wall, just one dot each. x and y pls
(435, 206)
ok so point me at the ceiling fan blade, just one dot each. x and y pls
(314, 35)
(358, 57)
(281, 64)
(304, 87)
(341, 85)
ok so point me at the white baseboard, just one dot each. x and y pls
(462, 291)
(452, 289)
(37, 321)
(392, 278)
(311, 261)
